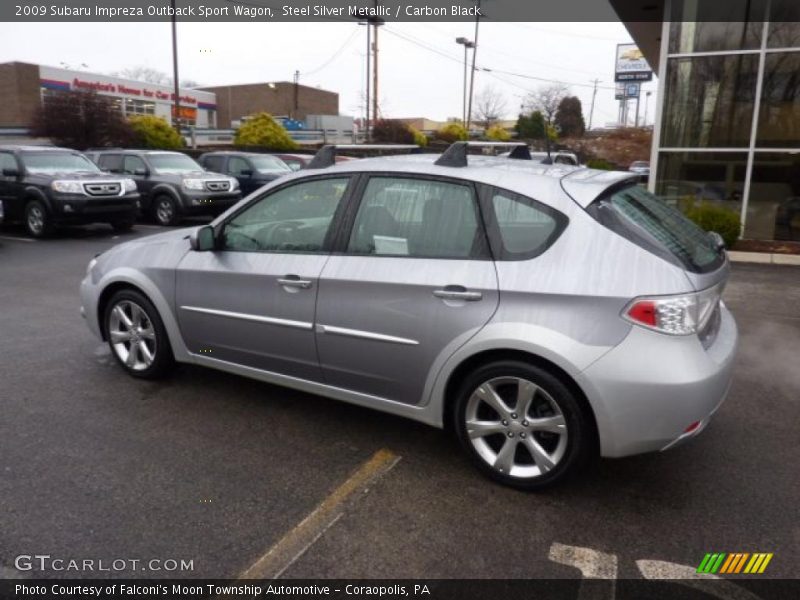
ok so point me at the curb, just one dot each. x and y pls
(764, 258)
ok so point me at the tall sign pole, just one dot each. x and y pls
(177, 91)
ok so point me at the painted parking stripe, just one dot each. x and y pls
(707, 583)
(297, 541)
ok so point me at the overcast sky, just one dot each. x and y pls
(420, 76)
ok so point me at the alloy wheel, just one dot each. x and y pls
(35, 220)
(516, 427)
(132, 335)
(165, 212)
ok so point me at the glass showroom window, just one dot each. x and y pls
(139, 107)
(709, 101)
(773, 210)
(694, 30)
(779, 115)
(716, 177)
(784, 29)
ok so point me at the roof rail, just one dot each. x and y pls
(326, 156)
(456, 153)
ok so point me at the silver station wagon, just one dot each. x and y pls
(544, 313)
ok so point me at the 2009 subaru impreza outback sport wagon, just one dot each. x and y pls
(543, 312)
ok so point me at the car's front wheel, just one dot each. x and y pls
(165, 210)
(521, 425)
(136, 335)
(38, 221)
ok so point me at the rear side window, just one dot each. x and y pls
(418, 218)
(214, 163)
(527, 227)
(110, 162)
(661, 229)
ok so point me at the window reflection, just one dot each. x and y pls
(784, 28)
(779, 116)
(773, 211)
(700, 26)
(709, 101)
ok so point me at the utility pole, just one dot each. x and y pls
(369, 54)
(646, 102)
(377, 23)
(296, 93)
(636, 120)
(594, 95)
(177, 121)
(472, 76)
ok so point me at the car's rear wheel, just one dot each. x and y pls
(136, 335)
(38, 222)
(521, 425)
(165, 210)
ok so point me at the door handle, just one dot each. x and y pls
(457, 292)
(294, 281)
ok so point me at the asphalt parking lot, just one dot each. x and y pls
(217, 469)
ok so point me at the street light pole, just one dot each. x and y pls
(472, 76)
(467, 45)
(177, 92)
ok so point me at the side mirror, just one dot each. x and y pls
(246, 172)
(202, 239)
(10, 173)
(141, 172)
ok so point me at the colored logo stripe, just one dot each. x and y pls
(733, 563)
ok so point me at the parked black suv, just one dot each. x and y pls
(250, 169)
(45, 187)
(172, 184)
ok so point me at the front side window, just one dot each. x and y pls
(292, 219)
(527, 227)
(214, 163)
(657, 227)
(237, 166)
(110, 162)
(418, 218)
(132, 164)
(7, 162)
(269, 164)
(51, 163)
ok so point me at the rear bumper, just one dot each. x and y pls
(654, 391)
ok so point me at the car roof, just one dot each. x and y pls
(522, 176)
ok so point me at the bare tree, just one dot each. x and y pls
(490, 106)
(546, 100)
(150, 75)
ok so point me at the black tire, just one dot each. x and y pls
(571, 452)
(122, 226)
(37, 219)
(165, 210)
(162, 361)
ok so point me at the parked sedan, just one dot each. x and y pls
(251, 170)
(543, 314)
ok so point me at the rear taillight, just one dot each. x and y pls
(684, 314)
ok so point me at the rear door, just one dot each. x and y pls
(251, 302)
(414, 280)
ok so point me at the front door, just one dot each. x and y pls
(252, 301)
(415, 283)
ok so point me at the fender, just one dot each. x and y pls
(570, 355)
(168, 189)
(163, 306)
(32, 192)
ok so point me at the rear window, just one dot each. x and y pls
(663, 230)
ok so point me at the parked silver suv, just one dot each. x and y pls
(543, 312)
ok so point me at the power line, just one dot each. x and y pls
(334, 56)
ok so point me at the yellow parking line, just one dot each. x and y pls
(295, 543)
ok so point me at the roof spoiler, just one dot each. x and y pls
(326, 156)
(456, 153)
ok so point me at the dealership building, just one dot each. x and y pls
(728, 114)
(24, 86)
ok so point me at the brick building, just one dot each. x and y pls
(281, 98)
